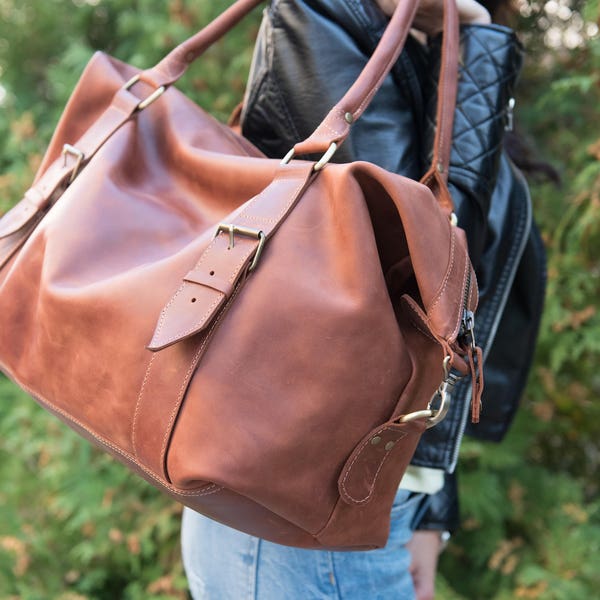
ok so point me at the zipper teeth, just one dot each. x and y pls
(467, 291)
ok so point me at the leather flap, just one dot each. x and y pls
(358, 478)
(204, 291)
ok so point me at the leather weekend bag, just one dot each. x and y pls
(264, 340)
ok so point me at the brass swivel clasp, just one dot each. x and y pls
(438, 406)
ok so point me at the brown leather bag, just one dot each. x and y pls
(266, 341)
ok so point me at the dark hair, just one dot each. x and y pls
(524, 156)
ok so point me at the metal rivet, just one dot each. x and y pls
(375, 440)
(440, 167)
(389, 446)
(349, 117)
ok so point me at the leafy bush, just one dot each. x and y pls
(77, 525)
(531, 508)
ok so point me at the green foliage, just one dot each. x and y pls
(530, 505)
(73, 520)
(76, 525)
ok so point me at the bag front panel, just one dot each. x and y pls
(81, 298)
(308, 359)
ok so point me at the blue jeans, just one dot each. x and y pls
(224, 564)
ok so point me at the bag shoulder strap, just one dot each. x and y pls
(335, 128)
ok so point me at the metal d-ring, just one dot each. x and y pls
(151, 98)
(79, 156)
(320, 163)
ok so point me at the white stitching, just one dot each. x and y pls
(177, 405)
(417, 326)
(358, 455)
(450, 269)
(138, 404)
(204, 491)
(164, 311)
(185, 383)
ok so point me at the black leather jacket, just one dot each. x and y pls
(307, 55)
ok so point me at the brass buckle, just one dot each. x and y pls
(79, 156)
(444, 392)
(322, 161)
(151, 98)
(257, 234)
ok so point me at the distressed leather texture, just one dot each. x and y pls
(130, 308)
(492, 202)
(298, 52)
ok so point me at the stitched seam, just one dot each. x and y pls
(202, 319)
(263, 219)
(368, 98)
(358, 454)
(138, 406)
(177, 405)
(418, 327)
(185, 383)
(325, 124)
(278, 218)
(450, 269)
(164, 311)
(443, 111)
(237, 268)
(103, 441)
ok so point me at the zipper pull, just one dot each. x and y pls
(475, 363)
(467, 331)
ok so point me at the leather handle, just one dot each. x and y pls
(175, 64)
(336, 125)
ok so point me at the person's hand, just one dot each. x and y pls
(430, 13)
(424, 548)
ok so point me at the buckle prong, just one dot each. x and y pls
(256, 234)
